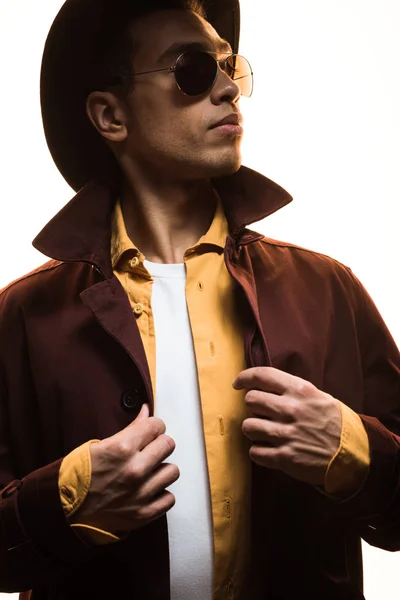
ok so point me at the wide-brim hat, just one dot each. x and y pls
(69, 54)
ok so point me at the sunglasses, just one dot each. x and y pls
(196, 72)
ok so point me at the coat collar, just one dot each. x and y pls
(81, 231)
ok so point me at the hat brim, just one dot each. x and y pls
(76, 148)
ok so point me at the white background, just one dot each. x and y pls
(324, 122)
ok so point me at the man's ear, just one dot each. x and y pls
(106, 112)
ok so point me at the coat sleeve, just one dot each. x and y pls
(37, 544)
(375, 508)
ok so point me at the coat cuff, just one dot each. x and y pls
(43, 518)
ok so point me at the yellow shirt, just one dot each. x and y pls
(218, 345)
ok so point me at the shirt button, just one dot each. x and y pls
(138, 309)
(133, 263)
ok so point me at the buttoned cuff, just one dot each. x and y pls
(73, 483)
(349, 466)
(74, 478)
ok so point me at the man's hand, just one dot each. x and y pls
(129, 477)
(294, 426)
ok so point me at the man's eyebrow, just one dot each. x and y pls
(180, 47)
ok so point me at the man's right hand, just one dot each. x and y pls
(129, 477)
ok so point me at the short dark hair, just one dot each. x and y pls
(113, 63)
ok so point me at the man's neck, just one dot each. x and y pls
(165, 218)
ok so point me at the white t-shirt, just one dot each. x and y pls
(178, 405)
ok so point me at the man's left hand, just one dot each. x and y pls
(294, 426)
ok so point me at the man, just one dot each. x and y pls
(188, 409)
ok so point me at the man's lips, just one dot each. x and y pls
(232, 119)
(229, 125)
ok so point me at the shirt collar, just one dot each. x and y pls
(81, 231)
(120, 241)
(122, 246)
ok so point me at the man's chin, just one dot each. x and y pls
(208, 168)
(222, 168)
(225, 171)
(231, 169)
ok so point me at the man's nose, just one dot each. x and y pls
(225, 88)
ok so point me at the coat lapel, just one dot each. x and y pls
(240, 268)
(110, 305)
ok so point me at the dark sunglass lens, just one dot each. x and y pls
(195, 72)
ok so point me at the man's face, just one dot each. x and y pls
(167, 130)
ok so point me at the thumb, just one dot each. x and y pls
(143, 414)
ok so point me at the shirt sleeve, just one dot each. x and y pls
(349, 466)
(73, 483)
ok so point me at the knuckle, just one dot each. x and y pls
(156, 426)
(151, 511)
(122, 448)
(253, 451)
(145, 512)
(288, 455)
(142, 497)
(290, 431)
(280, 434)
(252, 377)
(168, 443)
(137, 471)
(293, 410)
(248, 426)
(169, 500)
(174, 473)
(305, 388)
(258, 372)
(250, 397)
(253, 399)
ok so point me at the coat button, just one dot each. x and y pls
(131, 401)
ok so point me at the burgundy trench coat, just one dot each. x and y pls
(73, 368)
